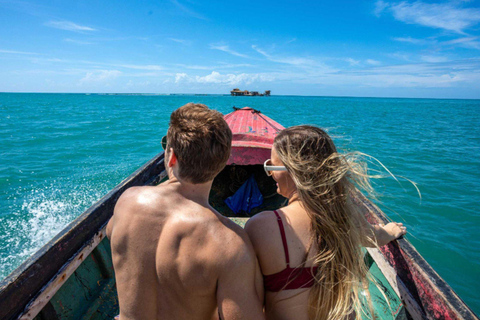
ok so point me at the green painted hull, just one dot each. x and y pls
(89, 293)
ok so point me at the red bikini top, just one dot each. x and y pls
(289, 278)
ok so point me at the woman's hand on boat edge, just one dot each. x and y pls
(389, 232)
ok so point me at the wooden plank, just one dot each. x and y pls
(385, 303)
(56, 283)
(23, 284)
(397, 284)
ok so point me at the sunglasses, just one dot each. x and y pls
(164, 142)
(267, 166)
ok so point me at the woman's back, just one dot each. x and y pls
(265, 231)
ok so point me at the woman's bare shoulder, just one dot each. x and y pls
(259, 220)
(261, 225)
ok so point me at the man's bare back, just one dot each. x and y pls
(177, 258)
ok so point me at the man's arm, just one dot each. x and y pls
(259, 286)
(237, 295)
(133, 255)
(110, 227)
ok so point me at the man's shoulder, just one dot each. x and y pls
(141, 198)
(234, 242)
(135, 207)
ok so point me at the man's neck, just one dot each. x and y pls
(195, 192)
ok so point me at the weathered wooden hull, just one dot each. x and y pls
(72, 276)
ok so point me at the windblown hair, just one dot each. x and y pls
(325, 181)
(201, 140)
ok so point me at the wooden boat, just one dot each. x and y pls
(72, 276)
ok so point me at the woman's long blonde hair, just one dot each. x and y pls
(325, 181)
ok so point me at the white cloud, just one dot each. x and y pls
(188, 11)
(434, 59)
(380, 6)
(467, 42)
(219, 66)
(400, 56)
(409, 80)
(413, 75)
(227, 49)
(262, 52)
(77, 41)
(373, 62)
(180, 77)
(448, 16)
(100, 76)
(352, 62)
(193, 67)
(225, 79)
(18, 52)
(410, 40)
(296, 61)
(141, 67)
(182, 41)
(68, 25)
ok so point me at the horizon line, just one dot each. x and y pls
(228, 95)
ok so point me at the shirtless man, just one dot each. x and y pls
(175, 257)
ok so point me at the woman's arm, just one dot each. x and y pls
(386, 233)
(380, 234)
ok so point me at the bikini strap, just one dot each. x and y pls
(284, 238)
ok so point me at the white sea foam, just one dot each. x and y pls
(42, 216)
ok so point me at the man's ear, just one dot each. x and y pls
(173, 158)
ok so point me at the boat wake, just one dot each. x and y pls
(41, 216)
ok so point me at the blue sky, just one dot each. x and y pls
(342, 48)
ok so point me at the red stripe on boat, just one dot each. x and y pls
(253, 135)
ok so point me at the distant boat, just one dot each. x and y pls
(72, 276)
(238, 92)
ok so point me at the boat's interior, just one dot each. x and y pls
(232, 178)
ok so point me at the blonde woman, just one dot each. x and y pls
(310, 251)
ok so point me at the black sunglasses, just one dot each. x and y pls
(164, 142)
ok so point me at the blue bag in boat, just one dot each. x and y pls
(247, 197)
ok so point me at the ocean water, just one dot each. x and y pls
(59, 153)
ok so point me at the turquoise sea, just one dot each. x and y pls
(59, 153)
